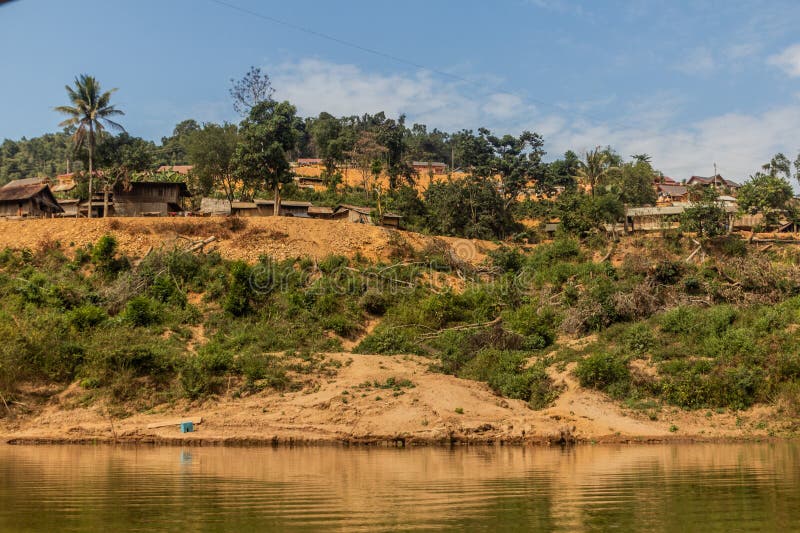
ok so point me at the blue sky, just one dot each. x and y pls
(690, 82)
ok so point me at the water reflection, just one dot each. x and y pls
(654, 488)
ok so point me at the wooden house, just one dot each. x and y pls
(322, 212)
(716, 181)
(30, 197)
(364, 215)
(429, 167)
(672, 193)
(245, 209)
(215, 207)
(149, 198)
(289, 208)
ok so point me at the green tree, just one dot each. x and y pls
(469, 207)
(706, 216)
(326, 132)
(210, 150)
(633, 183)
(269, 134)
(581, 214)
(89, 115)
(559, 174)
(595, 167)
(173, 148)
(119, 157)
(767, 194)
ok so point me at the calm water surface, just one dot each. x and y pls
(731, 487)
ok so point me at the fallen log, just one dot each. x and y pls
(200, 245)
(175, 422)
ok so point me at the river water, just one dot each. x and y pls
(699, 487)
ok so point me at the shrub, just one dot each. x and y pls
(142, 311)
(104, 256)
(602, 371)
(374, 302)
(387, 340)
(507, 259)
(681, 320)
(536, 324)
(638, 339)
(668, 272)
(237, 299)
(86, 316)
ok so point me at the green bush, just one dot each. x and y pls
(638, 339)
(86, 316)
(237, 299)
(142, 311)
(374, 302)
(602, 371)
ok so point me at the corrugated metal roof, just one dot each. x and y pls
(673, 190)
(286, 203)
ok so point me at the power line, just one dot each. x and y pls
(419, 66)
(372, 51)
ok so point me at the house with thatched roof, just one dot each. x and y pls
(30, 197)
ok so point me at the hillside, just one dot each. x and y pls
(384, 336)
(245, 239)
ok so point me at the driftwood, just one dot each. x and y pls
(141, 259)
(694, 253)
(462, 328)
(609, 253)
(200, 245)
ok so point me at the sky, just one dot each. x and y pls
(690, 82)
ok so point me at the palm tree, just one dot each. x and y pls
(89, 114)
(594, 168)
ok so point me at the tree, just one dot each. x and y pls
(252, 89)
(468, 207)
(119, 157)
(559, 174)
(326, 132)
(173, 148)
(706, 216)
(766, 194)
(269, 133)
(509, 162)
(210, 150)
(366, 152)
(581, 214)
(595, 167)
(89, 115)
(633, 183)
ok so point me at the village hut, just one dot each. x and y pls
(29, 197)
(149, 198)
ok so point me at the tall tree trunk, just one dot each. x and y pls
(91, 176)
(105, 200)
(276, 210)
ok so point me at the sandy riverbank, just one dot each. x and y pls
(434, 409)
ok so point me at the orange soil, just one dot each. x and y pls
(279, 237)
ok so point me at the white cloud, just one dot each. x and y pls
(504, 106)
(697, 61)
(788, 60)
(739, 143)
(342, 89)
